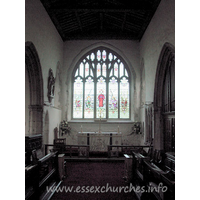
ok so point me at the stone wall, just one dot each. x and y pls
(41, 32)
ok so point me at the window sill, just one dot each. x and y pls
(102, 121)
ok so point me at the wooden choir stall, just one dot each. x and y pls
(156, 172)
(40, 170)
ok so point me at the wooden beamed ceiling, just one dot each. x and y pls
(105, 19)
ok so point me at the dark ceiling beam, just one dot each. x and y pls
(101, 21)
(120, 20)
(99, 35)
(128, 28)
(66, 26)
(117, 19)
(124, 21)
(69, 10)
(133, 26)
(70, 24)
(90, 20)
(79, 21)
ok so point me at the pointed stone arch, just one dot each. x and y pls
(69, 76)
(33, 67)
(167, 54)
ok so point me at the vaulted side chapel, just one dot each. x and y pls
(100, 84)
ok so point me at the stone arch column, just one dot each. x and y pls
(168, 51)
(33, 67)
(142, 84)
(46, 129)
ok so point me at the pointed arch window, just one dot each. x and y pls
(101, 86)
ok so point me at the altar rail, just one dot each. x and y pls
(119, 150)
(78, 150)
(84, 150)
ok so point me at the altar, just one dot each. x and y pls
(98, 142)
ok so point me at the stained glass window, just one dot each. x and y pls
(89, 98)
(101, 98)
(113, 98)
(78, 98)
(124, 95)
(101, 86)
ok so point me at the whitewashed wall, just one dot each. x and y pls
(49, 45)
(160, 30)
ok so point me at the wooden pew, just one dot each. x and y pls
(40, 170)
(41, 174)
(32, 143)
(156, 169)
(120, 150)
(163, 173)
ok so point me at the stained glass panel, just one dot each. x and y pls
(89, 98)
(86, 69)
(110, 57)
(101, 98)
(98, 55)
(104, 69)
(98, 69)
(78, 98)
(121, 69)
(81, 69)
(104, 55)
(92, 56)
(116, 69)
(124, 98)
(113, 98)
